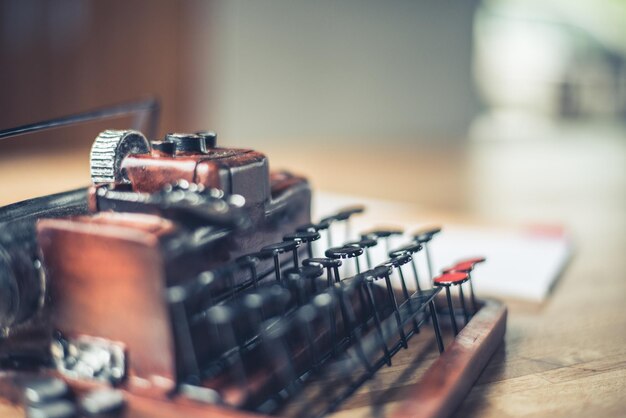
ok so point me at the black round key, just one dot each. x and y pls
(344, 214)
(280, 247)
(344, 252)
(302, 236)
(320, 226)
(426, 234)
(330, 264)
(382, 271)
(323, 262)
(352, 210)
(363, 243)
(366, 244)
(382, 233)
(407, 249)
(398, 261)
(306, 237)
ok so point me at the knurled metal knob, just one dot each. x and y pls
(109, 150)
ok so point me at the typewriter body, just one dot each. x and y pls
(190, 280)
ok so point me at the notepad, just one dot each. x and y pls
(522, 262)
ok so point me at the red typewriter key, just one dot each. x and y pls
(452, 279)
(467, 266)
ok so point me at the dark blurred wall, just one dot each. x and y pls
(66, 56)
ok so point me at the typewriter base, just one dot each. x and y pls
(437, 393)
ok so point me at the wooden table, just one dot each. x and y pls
(564, 357)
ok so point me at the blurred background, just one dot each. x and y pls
(503, 109)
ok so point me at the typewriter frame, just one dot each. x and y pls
(438, 393)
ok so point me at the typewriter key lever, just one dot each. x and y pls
(189, 280)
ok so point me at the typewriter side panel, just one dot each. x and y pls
(106, 280)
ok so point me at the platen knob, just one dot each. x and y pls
(109, 150)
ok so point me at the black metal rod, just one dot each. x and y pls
(417, 280)
(394, 304)
(405, 291)
(433, 315)
(253, 272)
(151, 106)
(277, 268)
(368, 258)
(428, 262)
(295, 257)
(465, 312)
(309, 248)
(474, 304)
(329, 237)
(451, 309)
(337, 278)
(379, 333)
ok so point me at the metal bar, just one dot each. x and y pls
(151, 106)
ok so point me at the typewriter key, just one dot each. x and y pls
(317, 227)
(409, 249)
(275, 250)
(452, 279)
(345, 214)
(467, 266)
(328, 264)
(304, 236)
(346, 252)
(424, 236)
(385, 234)
(366, 244)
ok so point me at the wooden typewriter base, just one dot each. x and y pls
(437, 392)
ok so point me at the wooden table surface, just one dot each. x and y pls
(563, 357)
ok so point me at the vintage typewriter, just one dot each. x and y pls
(190, 280)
